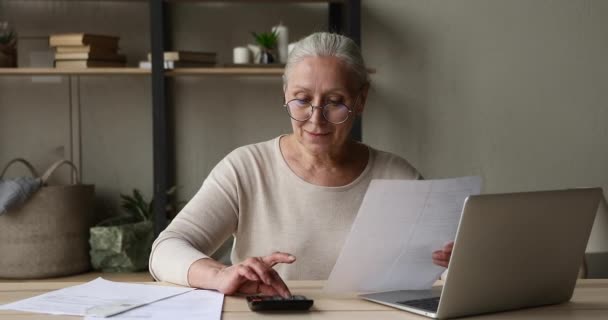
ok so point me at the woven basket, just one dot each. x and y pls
(48, 235)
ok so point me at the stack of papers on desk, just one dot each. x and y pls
(101, 298)
(193, 305)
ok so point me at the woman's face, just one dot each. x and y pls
(320, 80)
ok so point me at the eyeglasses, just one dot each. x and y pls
(302, 110)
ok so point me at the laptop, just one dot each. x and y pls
(511, 251)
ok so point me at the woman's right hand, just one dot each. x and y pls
(254, 275)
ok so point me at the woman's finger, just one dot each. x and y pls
(441, 258)
(250, 287)
(439, 255)
(442, 263)
(269, 276)
(261, 269)
(447, 248)
(278, 257)
(280, 284)
(247, 272)
(230, 280)
(267, 290)
(256, 287)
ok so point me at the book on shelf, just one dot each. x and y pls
(191, 56)
(84, 49)
(177, 64)
(103, 56)
(83, 39)
(87, 64)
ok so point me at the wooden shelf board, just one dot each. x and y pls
(226, 71)
(262, 1)
(232, 71)
(73, 71)
(246, 1)
(263, 71)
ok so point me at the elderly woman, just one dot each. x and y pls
(294, 196)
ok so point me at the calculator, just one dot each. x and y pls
(278, 303)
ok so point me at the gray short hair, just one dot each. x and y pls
(325, 44)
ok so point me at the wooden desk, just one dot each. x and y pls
(590, 301)
(88, 276)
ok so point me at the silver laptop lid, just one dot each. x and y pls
(518, 250)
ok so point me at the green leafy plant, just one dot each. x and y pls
(137, 207)
(7, 35)
(122, 243)
(266, 40)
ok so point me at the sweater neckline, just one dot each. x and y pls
(283, 163)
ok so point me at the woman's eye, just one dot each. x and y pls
(298, 103)
(335, 99)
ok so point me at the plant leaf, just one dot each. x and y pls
(267, 40)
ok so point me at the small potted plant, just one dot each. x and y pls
(122, 243)
(268, 43)
(8, 46)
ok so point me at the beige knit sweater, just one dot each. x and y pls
(253, 194)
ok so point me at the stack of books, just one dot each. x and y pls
(184, 59)
(83, 50)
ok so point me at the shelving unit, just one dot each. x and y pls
(343, 17)
(145, 72)
(55, 71)
(226, 71)
(137, 71)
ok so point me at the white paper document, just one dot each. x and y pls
(98, 297)
(399, 225)
(193, 305)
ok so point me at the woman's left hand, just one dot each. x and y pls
(442, 257)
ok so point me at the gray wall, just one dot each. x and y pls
(512, 90)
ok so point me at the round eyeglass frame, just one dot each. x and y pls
(312, 111)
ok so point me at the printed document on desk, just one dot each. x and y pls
(193, 305)
(98, 297)
(399, 225)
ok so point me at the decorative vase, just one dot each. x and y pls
(120, 245)
(266, 56)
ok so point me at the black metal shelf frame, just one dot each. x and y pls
(344, 17)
